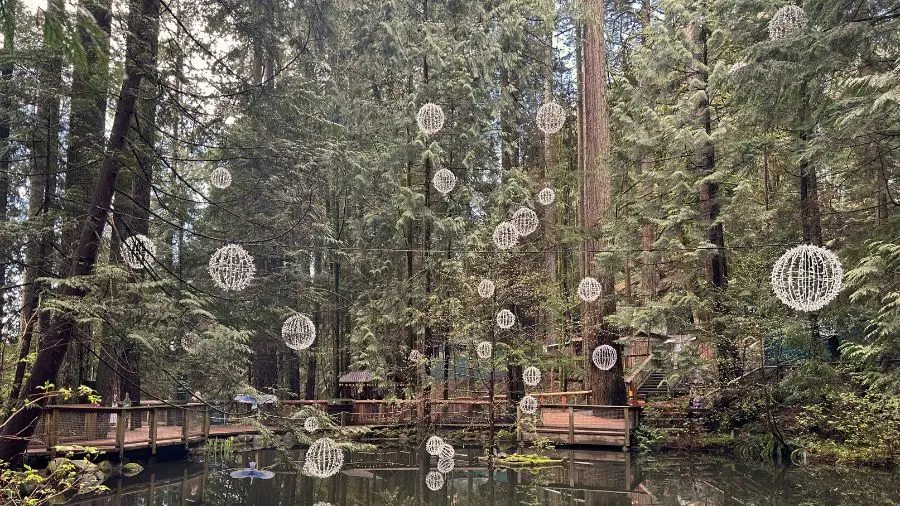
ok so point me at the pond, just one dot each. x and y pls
(397, 478)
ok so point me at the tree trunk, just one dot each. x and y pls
(6, 109)
(608, 386)
(19, 427)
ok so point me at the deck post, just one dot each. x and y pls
(185, 419)
(628, 421)
(50, 428)
(151, 422)
(206, 423)
(518, 425)
(571, 425)
(121, 422)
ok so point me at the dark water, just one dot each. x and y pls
(397, 478)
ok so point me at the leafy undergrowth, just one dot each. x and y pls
(527, 460)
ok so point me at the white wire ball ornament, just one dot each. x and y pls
(787, 22)
(444, 181)
(506, 235)
(484, 349)
(445, 465)
(324, 458)
(546, 196)
(531, 376)
(505, 319)
(434, 481)
(430, 118)
(446, 451)
(415, 356)
(298, 332)
(311, 424)
(231, 268)
(486, 288)
(807, 278)
(589, 289)
(525, 220)
(604, 357)
(550, 118)
(220, 178)
(528, 405)
(433, 445)
(137, 251)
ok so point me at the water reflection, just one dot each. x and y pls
(397, 478)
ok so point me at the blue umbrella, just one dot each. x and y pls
(246, 399)
(252, 472)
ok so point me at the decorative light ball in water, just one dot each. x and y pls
(486, 288)
(528, 405)
(506, 235)
(505, 319)
(446, 451)
(298, 332)
(531, 376)
(484, 349)
(434, 481)
(525, 220)
(546, 196)
(604, 357)
(324, 458)
(807, 278)
(787, 22)
(444, 181)
(550, 118)
(430, 118)
(231, 268)
(311, 424)
(446, 465)
(137, 251)
(415, 356)
(433, 445)
(220, 178)
(589, 289)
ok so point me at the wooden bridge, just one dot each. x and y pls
(563, 418)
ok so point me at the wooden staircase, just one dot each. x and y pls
(653, 386)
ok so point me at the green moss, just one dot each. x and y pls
(529, 460)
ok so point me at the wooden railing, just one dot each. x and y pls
(584, 424)
(636, 377)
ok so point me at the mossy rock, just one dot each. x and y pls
(531, 460)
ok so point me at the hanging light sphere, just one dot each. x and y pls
(433, 445)
(550, 118)
(531, 376)
(807, 278)
(324, 458)
(446, 451)
(486, 288)
(298, 332)
(430, 118)
(231, 268)
(484, 349)
(137, 251)
(787, 22)
(528, 405)
(444, 181)
(525, 220)
(446, 465)
(415, 356)
(546, 196)
(434, 480)
(311, 424)
(505, 319)
(604, 357)
(220, 178)
(589, 289)
(506, 235)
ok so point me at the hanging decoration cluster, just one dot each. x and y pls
(486, 288)
(546, 196)
(528, 405)
(430, 118)
(525, 220)
(446, 465)
(434, 481)
(298, 332)
(484, 350)
(604, 357)
(137, 251)
(505, 319)
(550, 118)
(433, 445)
(323, 458)
(232, 268)
(311, 424)
(589, 289)
(807, 278)
(444, 181)
(787, 22)
(506, 235)
(220, 178)
(531, 376)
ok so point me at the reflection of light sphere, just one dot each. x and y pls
(486, 288)
(446, 465)
(604, 357)
(298, 332)
(434, 480)
(589, 289)
(787, 22)
(430, 118)
(311, 424)
(546, 196)
(444, 181)
(484, 349)
(231, 268)
(528, 405)
(220, 178)
(324, 458)
(505, 235)
(137, 251)
(433, 445)
(525, 220)
(807, 277)
(505, 319)
(550, 118)
(531, 376)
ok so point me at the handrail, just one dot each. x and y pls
(90, 408)
(630, 377)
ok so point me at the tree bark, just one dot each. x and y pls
(19, 427)
(6, 109)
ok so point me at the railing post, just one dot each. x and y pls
(627, 416)
(571, 425)
(121, 422)
(206, 423)
(185, 421)
(151, 422)
(50, 427)
(518, 424)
